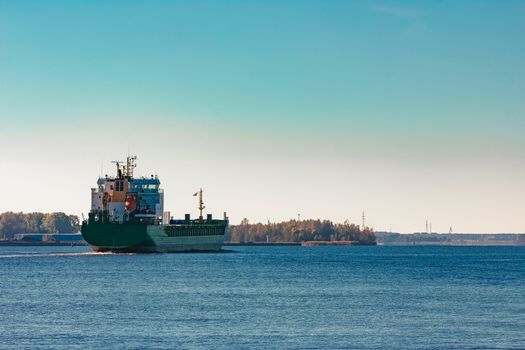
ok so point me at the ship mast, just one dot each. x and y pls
(201, 205)
(130, 165)
(119, 170)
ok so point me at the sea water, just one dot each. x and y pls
(264, 298)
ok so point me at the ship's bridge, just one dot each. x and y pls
(144, 185)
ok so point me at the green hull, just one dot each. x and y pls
(142, 238)
(114, 236)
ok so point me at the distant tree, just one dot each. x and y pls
(75, 223)
(34, 222)
(60, 223)
(12, 223)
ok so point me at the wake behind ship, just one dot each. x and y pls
(127, 215)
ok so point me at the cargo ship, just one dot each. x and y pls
(127, 216)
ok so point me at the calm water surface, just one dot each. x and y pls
(264, 297)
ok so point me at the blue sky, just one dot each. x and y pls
(408, 110)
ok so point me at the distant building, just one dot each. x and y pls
(48, 237)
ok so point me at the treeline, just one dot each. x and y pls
(299, 231)
(12, 223)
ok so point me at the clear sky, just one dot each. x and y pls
(407, 110)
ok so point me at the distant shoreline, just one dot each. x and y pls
(450, 239)
(290, 244)
(456, 243)
(303, 243)
(39, 244)
(400, 244)
(261, 244)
